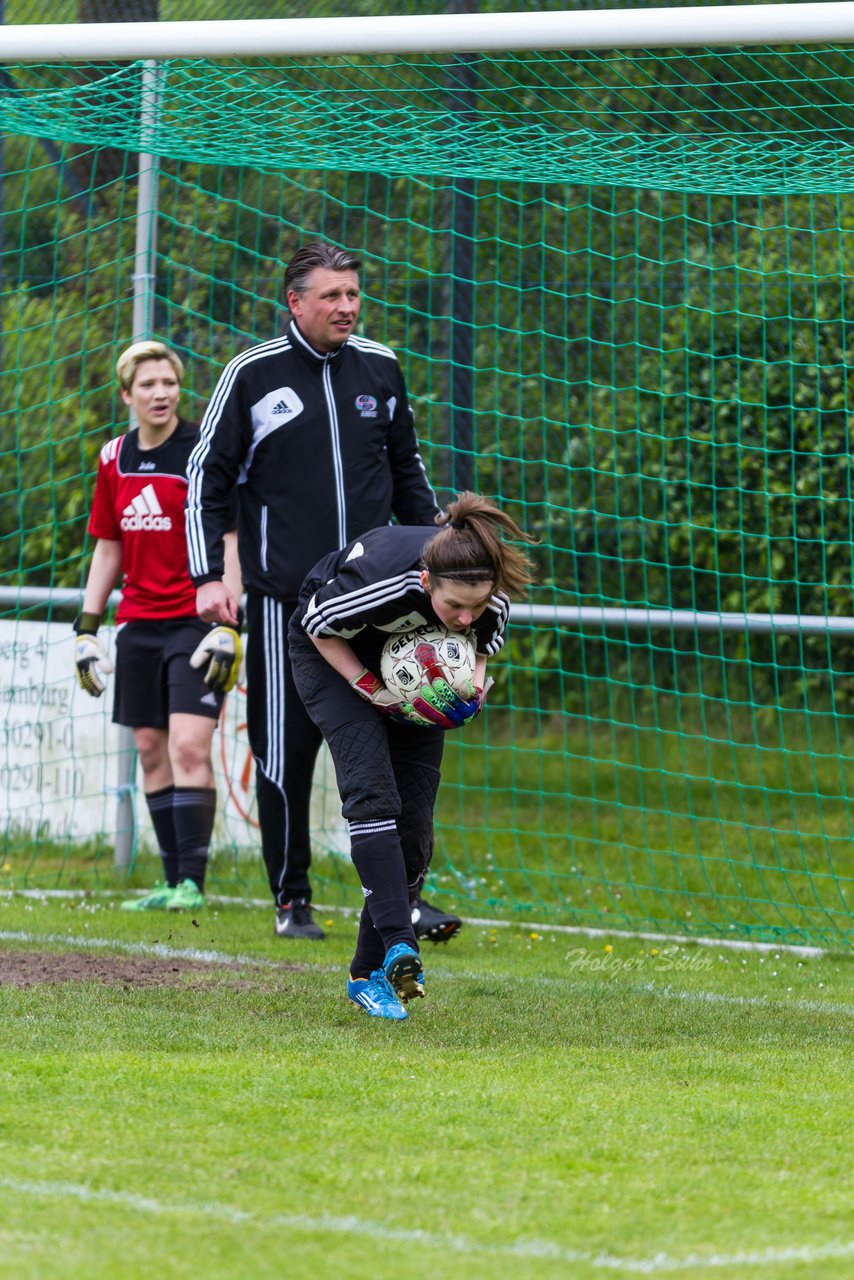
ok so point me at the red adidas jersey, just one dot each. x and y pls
(139, 501)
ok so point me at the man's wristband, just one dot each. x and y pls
(86, 624)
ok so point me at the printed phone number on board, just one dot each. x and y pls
(26, 735)
(61, 780)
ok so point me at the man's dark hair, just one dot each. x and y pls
(317, 254)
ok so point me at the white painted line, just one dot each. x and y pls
(328, 1224)
(149, 949)
(757, 1002)
(726, 944)
(661, 992)
(473, 975)
(684, 939)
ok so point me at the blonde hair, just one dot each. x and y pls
(137, 353)
(470, 547)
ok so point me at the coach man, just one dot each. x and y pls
(316, 431)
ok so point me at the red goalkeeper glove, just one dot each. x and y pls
(372, 689)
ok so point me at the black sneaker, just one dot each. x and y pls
(294, 920)
(431, 923)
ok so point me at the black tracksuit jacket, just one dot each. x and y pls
(321, 448)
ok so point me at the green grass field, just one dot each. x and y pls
(720, 828)
(197, 1099)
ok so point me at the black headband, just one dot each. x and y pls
(479, 572)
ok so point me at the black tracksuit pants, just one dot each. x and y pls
(388, 777)
(285, 742)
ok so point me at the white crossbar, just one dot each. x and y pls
(747, 24)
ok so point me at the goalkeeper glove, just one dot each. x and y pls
(90, 654)
(481, 694)
(372, 689)
(221, 654)
(436, 700)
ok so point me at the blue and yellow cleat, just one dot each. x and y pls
(402, 967)
(376, 996)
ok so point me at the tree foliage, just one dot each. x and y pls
(659, 378)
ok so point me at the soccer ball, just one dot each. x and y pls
(403, 672)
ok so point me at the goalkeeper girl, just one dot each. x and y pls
(388, 753)
(172, 669)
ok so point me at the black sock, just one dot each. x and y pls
(378, 858)
(160, 807)
(370, 949)
(193, 809)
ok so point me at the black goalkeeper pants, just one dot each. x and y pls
(388, 777)
(285, 742)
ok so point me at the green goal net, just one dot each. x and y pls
(619, 288)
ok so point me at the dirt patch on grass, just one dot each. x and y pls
(30, 968)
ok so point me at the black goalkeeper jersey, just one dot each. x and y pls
(372, 589)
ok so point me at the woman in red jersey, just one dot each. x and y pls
(172, 669)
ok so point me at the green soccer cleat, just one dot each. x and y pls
(187, 897)
(157, 900)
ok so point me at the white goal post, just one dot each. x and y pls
(747, 24)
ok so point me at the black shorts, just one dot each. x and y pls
(154, 678)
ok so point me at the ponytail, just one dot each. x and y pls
(470, 547)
